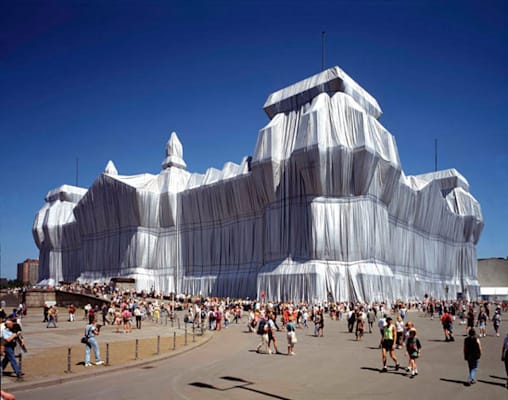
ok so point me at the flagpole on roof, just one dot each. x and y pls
(435, 155)
(77, 170)
(323, 34)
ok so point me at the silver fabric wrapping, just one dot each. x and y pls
(322, 210)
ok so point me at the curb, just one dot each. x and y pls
(21, 386)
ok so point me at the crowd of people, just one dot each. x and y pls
(127, 310)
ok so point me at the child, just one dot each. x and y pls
(413, 350)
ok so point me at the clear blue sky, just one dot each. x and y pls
(101, 80)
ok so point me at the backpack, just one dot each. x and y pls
(261, 327)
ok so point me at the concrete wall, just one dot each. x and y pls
(493, 272)
(37, 298)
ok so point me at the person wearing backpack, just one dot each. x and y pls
(262, 331)
(482, 322)
(447, 322)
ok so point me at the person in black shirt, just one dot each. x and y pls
(472, 354)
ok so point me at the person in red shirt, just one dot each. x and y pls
(72, 311)
(447, 322)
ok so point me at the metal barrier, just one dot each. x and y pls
(68, 360)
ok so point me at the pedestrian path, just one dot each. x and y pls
(56, 354)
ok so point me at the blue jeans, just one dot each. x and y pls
(10, 357)
(473, 368)
(52, 321)
(92, 343)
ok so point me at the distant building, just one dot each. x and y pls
(493, 278)
(28, 271)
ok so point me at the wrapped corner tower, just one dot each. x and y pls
(321, 210)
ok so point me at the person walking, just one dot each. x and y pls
(137, 315)
(472, 354)
(482, 322)
(371, 318)
(262, 331)
(52, 314)
(291, 335)
(400, 332)
(447, 323)
(360, 325)
(10, 339)
(496, 321)
(45, 312)
(388, 343)
(504, 357)
(91, 331)
(72, 311)
(413, 349)
(381, 326)
(271, 334)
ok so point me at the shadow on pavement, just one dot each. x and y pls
(492, 383)
(463, 383)
(371, 369)
(241, 384)
(391, 372)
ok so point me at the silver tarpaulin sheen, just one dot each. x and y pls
(321, 210)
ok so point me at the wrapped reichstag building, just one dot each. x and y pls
(321, 210)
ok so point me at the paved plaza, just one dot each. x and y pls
(224, 365)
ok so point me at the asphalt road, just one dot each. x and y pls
(332, 367)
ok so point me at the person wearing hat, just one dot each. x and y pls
(472, 354)
(388, 343)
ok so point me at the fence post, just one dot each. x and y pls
(178, 319)
(158, 344)
(107, 353)
(174, 340)
(137, 348)
(68, 360)
(193, 333)
(185, 334)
